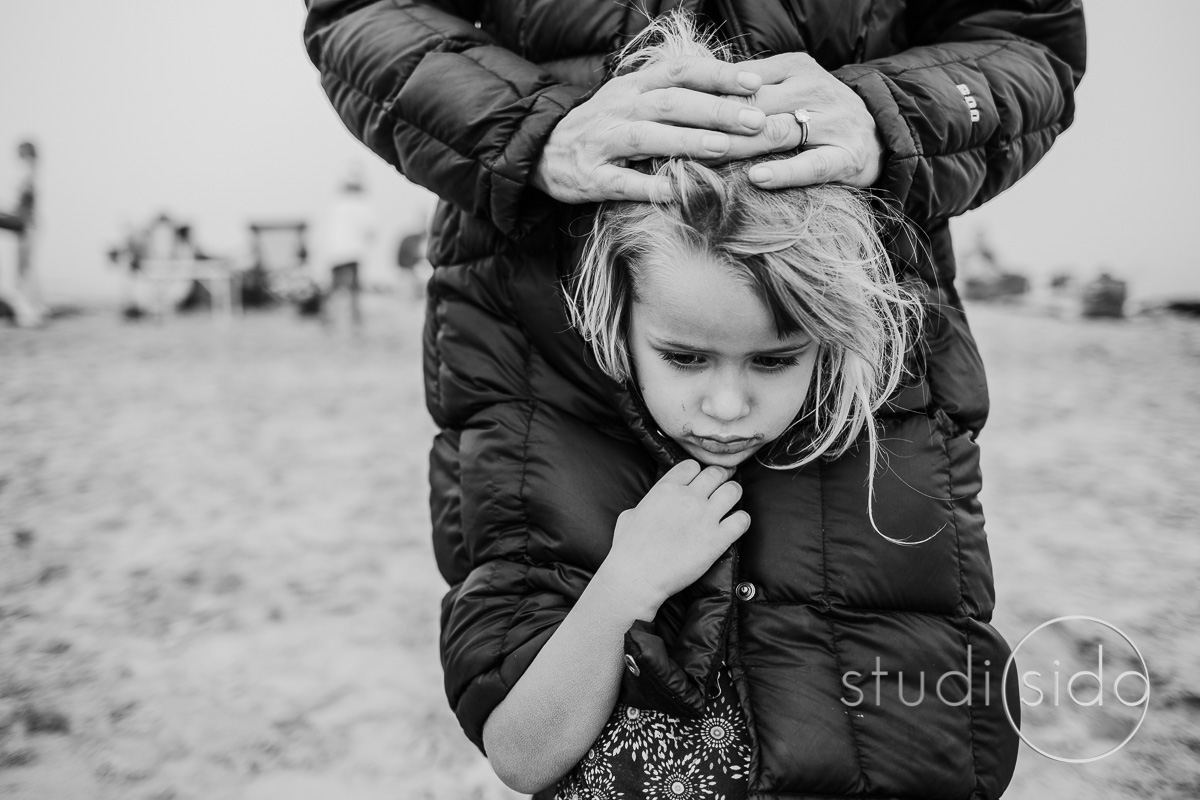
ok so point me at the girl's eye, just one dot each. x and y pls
(682, 361)
(777, 363)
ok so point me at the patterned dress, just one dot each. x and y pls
(651, 755)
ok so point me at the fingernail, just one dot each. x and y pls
(760, 174)
(715, 142)
(749, 81)
(752, 117)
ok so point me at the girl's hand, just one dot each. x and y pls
(673, 108)
(674, 535)
(559, 706)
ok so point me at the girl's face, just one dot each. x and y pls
(715, 374)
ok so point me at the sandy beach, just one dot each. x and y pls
(216, 579)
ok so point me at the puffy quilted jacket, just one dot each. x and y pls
(814, 613)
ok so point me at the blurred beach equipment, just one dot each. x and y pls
(984, 278)
(1104, 297)
(166, 270)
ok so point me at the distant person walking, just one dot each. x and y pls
(24, 295)
(414, 266)
(349, 231)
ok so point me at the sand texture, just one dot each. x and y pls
(216, 579)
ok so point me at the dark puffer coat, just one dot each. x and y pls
(815, 614)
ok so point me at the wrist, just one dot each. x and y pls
(540, 177)
(627, 595)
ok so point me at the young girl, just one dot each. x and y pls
(769, 635)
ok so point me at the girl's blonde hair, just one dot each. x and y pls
(813, 255)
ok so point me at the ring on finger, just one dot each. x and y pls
(803, 119)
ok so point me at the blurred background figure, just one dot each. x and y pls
(347, 233)
(21, 295)
(127, 256)
(413, 263)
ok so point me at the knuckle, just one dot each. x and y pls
(723, 111)
(677, 68)
(843, 166)
(592, 145)
(778, 130)
(635, 135)
(822, 166)
(667, 100)
(855, 164)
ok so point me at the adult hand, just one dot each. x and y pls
(843, 143)
(674, 108)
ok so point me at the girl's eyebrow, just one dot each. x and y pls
(663, 344)
(787, 348)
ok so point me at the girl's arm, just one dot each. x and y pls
(558, 708)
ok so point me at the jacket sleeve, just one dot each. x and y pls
(975, 102)
(494, 624)
(496, 621)
(437, 99)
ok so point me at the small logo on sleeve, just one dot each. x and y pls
(972, 104)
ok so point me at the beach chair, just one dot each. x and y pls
(165, 262)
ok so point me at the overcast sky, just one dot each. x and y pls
(212, 112)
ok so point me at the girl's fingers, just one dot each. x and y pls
(709, 479)
(735, 525)
(682, 473)
(725, 497)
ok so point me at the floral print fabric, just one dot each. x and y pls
(651, 755)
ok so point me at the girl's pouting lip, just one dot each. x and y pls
(729, 446)
(716, 375)
(712, 453)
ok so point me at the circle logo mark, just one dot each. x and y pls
(1083, 685)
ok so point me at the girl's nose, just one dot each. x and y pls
(726, 400)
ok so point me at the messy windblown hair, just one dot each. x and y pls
(813, 255)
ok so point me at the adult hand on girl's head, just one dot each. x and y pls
(843, 143)
(673, 108)
(674, 534)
